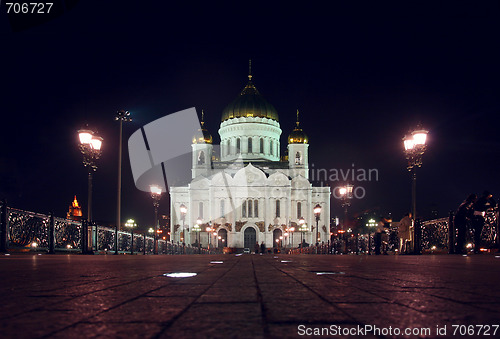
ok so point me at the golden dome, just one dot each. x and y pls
(298, 136)
(249, 104)
(207, 137)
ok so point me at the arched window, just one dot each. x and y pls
(277, 209)
(261, 145)
(256, 208)
(298, 158)
(244, 209)
(271, 147)
(201, 158)
(238, 145)
(200, 209)
(222, 209)
(228, 151)
(250, 145)
(299, 210)
(250, 212)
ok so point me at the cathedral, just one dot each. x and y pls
(243, 191)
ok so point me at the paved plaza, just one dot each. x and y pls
(246, 296)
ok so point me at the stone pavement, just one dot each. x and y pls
(247, 296)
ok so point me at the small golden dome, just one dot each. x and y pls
(207, 137)
(298, 136)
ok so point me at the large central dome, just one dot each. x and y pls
(249, 104)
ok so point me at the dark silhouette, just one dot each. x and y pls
(263, 248)
(256, 248)
(464, 215)
(482, 205)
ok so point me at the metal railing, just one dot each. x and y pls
(433, 236)
(30, 231)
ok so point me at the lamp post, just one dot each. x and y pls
(90, 146)
(371, 223)
(183, 209)
(346, 196)
(121, 116)
(156, 195)
(151, 231)
(302, 229)
(209, 230)
(131, 224)
(415, 146)
(197, 229)
(317, 214)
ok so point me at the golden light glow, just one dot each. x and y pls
(96, 143)
(155, 189)
(85, 136)
(75, 203)
(419, 137)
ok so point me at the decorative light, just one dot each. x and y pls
(155, 189)
(409, 143)
(85, 136)
(131, 223)
(96, 143)
(183, 209)
(419, 136)
(317, 210)
(199, 221)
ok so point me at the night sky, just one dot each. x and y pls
(361, 74)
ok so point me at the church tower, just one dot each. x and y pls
(298, 145)
(202, 151)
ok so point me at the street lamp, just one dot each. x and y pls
(317, 214)
(90, 146)
(302, 229)
(197, 229)
(121, 116)
(415, 146)
(183, 209)
(156, 195)
(209, 230)
(131, 224)
(371, 223)
(346, 196)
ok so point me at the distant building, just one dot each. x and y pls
(75, 211)
(257, 199)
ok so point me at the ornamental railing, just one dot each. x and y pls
(30, 231)
(433, 236)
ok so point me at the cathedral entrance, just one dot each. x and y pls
(276, 237)
(222, 238)
(250, 238)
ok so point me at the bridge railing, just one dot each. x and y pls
(435, 237)
(25, 230)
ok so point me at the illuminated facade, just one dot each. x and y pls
(246, 192)
(75, 211)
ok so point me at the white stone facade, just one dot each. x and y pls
(251, 195)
